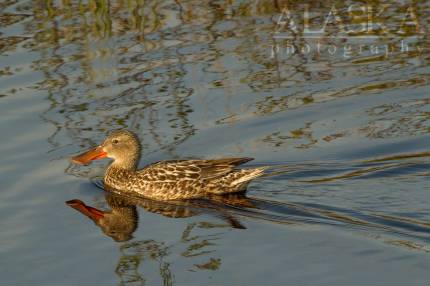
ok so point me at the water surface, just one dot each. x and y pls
(345, 200)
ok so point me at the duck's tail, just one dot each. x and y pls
(246, 175)
(235, 181)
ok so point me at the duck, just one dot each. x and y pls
(167, 180)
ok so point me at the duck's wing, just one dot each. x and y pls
(219, 167)
(192, 169)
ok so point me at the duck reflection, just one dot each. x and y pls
(121, 221)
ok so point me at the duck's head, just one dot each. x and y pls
(121, 145)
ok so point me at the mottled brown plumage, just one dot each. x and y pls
(167, 180)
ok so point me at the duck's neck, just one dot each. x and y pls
(128, 163)
(121, 172)
(117, 177)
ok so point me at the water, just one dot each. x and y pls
(345, 201)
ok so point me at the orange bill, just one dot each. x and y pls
(90, 212)
(90, 155)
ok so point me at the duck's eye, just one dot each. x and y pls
(115, 141)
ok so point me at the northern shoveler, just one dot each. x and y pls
(166, 180)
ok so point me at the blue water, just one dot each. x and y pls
(344, 202)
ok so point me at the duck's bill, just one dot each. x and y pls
(90, 212)
(90, 155)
